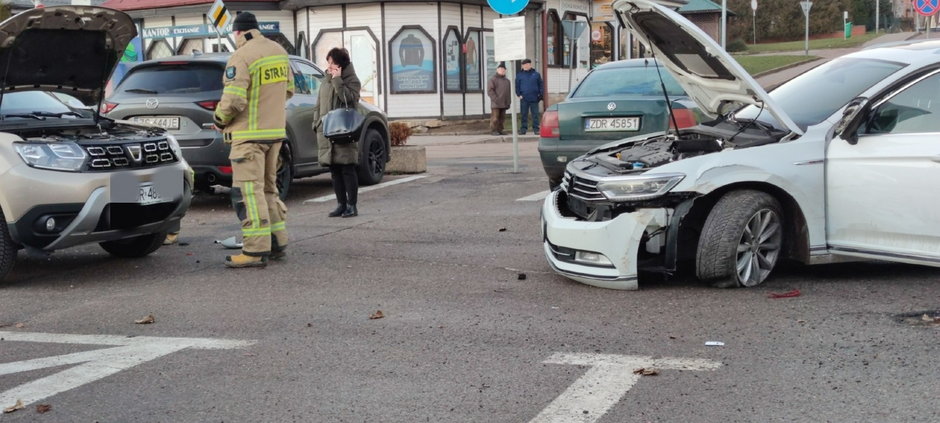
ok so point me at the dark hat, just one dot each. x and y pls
(501, 65)
(245, 21)
(524, 61)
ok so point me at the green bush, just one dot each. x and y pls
(736, 45)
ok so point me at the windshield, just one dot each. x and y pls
(27, 102)
(814, 96)
(172, 79)
(640, 81)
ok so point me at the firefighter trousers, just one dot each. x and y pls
(255, 197)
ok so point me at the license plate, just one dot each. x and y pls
(163, 122)
(148, 195)
(612, 124)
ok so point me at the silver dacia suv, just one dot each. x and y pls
(70, 177)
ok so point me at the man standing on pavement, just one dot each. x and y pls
(251, 116)
(500, 98)
(529, 90)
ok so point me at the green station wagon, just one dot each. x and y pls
(614, 101)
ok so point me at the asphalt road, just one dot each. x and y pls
(463, 337)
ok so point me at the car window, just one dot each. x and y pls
(306, 78)
(913, 110)
(641, 81)
(173, 78)
(814, 96)
(31, 101)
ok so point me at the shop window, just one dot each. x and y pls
(453, 74)
(602, 43)
(216, 49)
(581, 47)
(191, 46)
(490, 54)
(555, 39)
(413, 64)
(473, 49)
(159, 49)
(303, 49)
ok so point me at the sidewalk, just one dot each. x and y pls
(429, 140)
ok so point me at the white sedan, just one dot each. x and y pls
(840, 163)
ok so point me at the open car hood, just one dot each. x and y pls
(708, 74)
(69, 49)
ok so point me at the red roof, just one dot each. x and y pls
(157, 4)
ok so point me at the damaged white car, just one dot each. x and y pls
(842, 162)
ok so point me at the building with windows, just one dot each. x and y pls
(417, 60)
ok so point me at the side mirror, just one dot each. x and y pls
(852, 118)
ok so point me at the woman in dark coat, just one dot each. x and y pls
(340, 86)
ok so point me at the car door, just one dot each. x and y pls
(300, 110)
(881, 193)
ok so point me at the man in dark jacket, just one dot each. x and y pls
(529, 90)
(500, 99)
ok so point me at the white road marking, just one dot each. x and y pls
(95, 364)
(332, 197)
(605, 383)
(534, 197)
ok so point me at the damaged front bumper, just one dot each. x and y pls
(603, 254)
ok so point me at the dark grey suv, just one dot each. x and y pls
(180, 93)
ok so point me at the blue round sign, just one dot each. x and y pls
(926, 7)
(508, 7)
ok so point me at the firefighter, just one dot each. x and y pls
(251, 116)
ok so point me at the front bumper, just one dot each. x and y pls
(619, 240)
(85, 202)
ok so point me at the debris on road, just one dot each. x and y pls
(788, 294)
(20, 325)
(18, 406)
(43, 408)
(377, 315)
(231, 243)
(927, 318)
(502, 229)
(522, 276)
(714, 344)
(146, 320)
(642, 371)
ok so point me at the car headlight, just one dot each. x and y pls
(65, 156)
(639, 187)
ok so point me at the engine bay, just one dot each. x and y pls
(640, 156)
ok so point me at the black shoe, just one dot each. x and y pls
(496, 133)
(535, 130)
(351, 211)
(340, 210)
(521, 132)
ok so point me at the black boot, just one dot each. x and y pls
(351, 211)
(340, 211)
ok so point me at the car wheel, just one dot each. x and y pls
(741, 240)
(285, 171)
(374, 157)
(7, 248)
(134, 247)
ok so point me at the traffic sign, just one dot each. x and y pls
(573, 29)
(806, 5)
(219, 16)
(927, 7)
(508, 7)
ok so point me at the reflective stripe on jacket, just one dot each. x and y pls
(258, 81)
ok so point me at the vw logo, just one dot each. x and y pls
(610, 106)
(152, 103)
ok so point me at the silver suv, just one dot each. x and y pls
(70, 177)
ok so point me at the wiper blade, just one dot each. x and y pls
(23, 115)
(140, 91)
(55, 114)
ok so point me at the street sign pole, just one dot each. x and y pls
(806, 6)
(724, 24)
(754, 18)
(513, 105)
(877, 14)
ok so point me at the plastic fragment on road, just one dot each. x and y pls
(18, 406)
(788, 294)
(231, 243)
(714, 344)
(146, 320)
(377, 315)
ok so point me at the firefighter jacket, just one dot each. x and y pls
(258, 82)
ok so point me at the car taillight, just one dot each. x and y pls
(107, 107)
(208, 104)
(225, 170)
(549, 127)
(685, 118)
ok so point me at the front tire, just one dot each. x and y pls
(374, 157)
(7, 248)
(139, 246)
(741, 241)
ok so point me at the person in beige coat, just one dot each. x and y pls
(340, 86)
(500, 94)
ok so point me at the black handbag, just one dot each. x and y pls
(343, 125)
